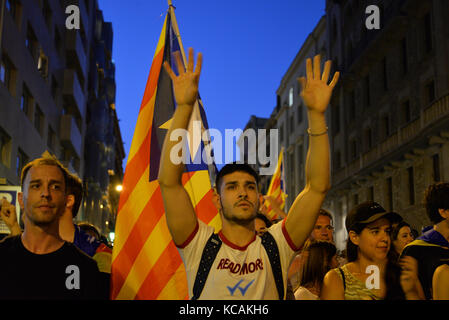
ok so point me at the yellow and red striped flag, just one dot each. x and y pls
(277, 188)
(146, 264)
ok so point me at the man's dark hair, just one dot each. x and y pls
(234, 167)
(326, 213)
(436, 197)
(75, 187)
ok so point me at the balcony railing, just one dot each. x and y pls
(73, 94)
(431, 115)
(70, 136)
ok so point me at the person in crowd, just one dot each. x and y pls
(239, 268)
(261, 224)
(368, 275)
(440, 283)
(324, 231)
(401, 236)
(321, 257)
(68, 230)
(431, 249)
(38, 263)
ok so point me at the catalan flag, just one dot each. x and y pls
(146, 263)
(277, 187)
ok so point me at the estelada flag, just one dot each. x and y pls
(277, 188)
(146, 263)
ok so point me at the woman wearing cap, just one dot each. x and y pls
(368, 275)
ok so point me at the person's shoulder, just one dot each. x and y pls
(442, 273)
(9, 241)
(78, 254)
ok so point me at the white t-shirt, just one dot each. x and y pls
(238, 272)
(304, 294)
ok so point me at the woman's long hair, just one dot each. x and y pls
(318, 256)
(392, 271)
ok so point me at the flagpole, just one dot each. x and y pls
(171, 10)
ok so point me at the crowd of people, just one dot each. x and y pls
(251, 257)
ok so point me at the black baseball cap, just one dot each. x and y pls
(367, 212)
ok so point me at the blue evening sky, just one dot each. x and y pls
(247, 47)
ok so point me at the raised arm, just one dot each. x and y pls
(8, 215)
(316, 94)
(179, 211)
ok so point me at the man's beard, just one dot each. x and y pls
(238, 220)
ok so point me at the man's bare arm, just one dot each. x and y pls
(316, 94)
(179, 211)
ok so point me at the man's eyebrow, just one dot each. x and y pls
(52, 181)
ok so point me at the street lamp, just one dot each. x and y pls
(119, 188)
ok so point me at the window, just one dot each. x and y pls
(5, 148)
(46, 11)
(356, 199)
(353, 150)
(2, 72)
(337, 160)
(31, 43)
(389, 194)
(436, 167)
(299, 116)
(21, 161)
(404, 57)
(39, 120)
(368, 139)
(7, 74)
(351, 105)
(11, 6)
(25, 100)
(386, 125)
(290, 97)
(51, 138)
(335, 119)
(281, 135)
(42, 64)
(430, 92)
(406, 112)
(428, 32)
(371, 193)
(367, 92)
(411, 185)
(54, 88)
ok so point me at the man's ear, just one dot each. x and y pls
(70, 201)
(20, 198)
(354, 237)
(216, 199)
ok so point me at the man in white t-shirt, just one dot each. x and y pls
(241, 268)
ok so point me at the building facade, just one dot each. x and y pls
(49, 76)
(290, 115)
(390, 111)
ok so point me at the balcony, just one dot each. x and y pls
(70, 135)
(73, 94)
(430, 122)
(76, 57)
